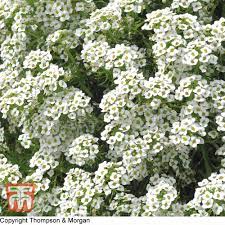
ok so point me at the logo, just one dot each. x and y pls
(20, 197)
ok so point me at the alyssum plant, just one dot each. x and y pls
(114, 107)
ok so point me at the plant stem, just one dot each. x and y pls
(208, 169)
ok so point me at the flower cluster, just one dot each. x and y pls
(45, 202)
(90, 190)
(98, 54)
(37, 58)
(209, 196)
(161, 193)
(131, 5)
(104, 19)
(9, 173)
(83, 150)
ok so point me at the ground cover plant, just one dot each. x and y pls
(114, 108)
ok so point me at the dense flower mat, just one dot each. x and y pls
(114, 107)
